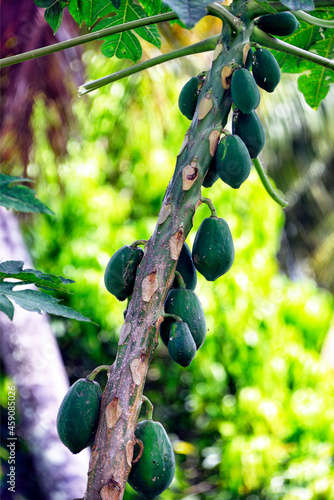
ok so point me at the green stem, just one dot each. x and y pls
(208, 202)
(266, 183)
(222, 13)
(172, 316)
(180, 280)
(149, 407)
(324, 23)
(273, 43)
(51, 49)
(97, 370)
(196, 48)
(138, 242)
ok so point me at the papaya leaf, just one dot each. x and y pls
(45, 4)
(189, 12)
(54, 15)
(20, 198)
(14, 269)
(90, 10)
(116, 3)
(126, 45)
(299, 4)
(6, 306)
(266, 6)
(74, 10)
(152, 8)
(35, 301)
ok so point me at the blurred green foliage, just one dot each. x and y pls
(252, 417)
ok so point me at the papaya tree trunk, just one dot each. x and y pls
(112, 453)
(32, 359)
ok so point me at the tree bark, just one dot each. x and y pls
(32, 359)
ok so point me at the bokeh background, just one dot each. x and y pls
(253, 416)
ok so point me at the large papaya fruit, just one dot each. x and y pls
(189, 95)
(181, 345)
(281, 24)
(120, 273)
(155, 469)
(213, 250)
(78, 415)
(185, 304)
(244, 91)
(233, 163)
(250, 130)
(266, 70)
(186, 268)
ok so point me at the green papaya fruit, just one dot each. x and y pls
(281, 24)
(185, 304)
(181, 345)
(244, 91)
(78, 415)
(189, 95)
(155, 469)
(213, 250)
(250, 130)
(120, 273)
(249, 59)
(211, 175)
(266, 70)
(233, 163)
(186, 268)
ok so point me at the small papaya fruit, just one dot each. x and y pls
(266, 70)
(186, 268)
(78, 415)
(249, 59)
(120, 273)
(189, 95)
(281, 24)
(244, 91)
(213, 250)
(211, 175)
(155, 469)
(185, 304)
(181, 345)
(233, 163)
(250, 130)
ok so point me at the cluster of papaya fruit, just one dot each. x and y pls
(232, 160)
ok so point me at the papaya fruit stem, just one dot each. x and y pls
(266, 183)
(172, 316)
(149, 408)
(91, 376)
(180, 280)
(308, 18)
(208, 202)
(138, 242)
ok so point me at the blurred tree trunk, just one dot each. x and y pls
(32, 359)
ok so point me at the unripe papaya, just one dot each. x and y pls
(250, 130)
(233, 163)
(186, 268)
(249, 59)
(185, 304)
(213, 250)
(189, 95)
(244, 91)
(211, 175)
(155, 469)
(281, 24)
(181, 345)
(120, 273)
(78, 415)
(266, 70)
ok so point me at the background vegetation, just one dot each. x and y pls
(252, 417)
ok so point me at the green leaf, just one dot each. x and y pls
(54, 15)
(20, 198)
(92, 10)
(299, 4)
(266, 6)
(152, 8)
(74, 10)
(44, 3)
(35, 301)
(189, 12)
(126, 45)
(14, 269)
(116, 3)
(6, 306)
